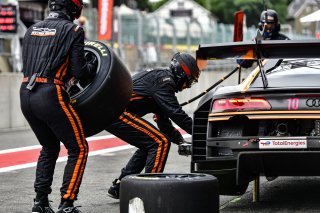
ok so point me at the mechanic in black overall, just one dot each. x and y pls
(53, 53)
(270, 26)
(154, 92)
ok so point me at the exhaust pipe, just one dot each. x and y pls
(282, 129)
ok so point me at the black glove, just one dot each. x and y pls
(185, 148)
(177, 139)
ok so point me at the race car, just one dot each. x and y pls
(268, 125)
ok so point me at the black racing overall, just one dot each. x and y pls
(153, 92)
(53, 52)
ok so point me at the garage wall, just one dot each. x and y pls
(11, 117)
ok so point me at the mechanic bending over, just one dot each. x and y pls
(270, 26)
(154, 92)
(53, 53)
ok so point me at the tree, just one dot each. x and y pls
(225, 9)
(149, 6)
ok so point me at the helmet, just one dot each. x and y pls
(73, 7)
(185, 69)
(269, 22)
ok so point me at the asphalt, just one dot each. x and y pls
(17, 191)
(285, 194)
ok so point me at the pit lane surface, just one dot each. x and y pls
(284, 194)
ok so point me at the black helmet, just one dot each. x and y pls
(185, 69)
(73, 7)
(270, 22)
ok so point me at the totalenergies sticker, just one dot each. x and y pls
(275, 143)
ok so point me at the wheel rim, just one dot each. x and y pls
(77, 88)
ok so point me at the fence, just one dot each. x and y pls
(145, 40)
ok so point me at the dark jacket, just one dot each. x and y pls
(53, 46)
(154, 92)
(279, 36)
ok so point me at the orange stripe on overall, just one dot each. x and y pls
(86, 152)
(82, 153)
(63, 69)
(159, 134)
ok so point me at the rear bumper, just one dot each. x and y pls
(245, 166)
(277, 163)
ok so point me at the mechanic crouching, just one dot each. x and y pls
(154, 92)
(53, 53)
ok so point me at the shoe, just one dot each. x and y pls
(67, 207)
(42, 206)
(114, 190)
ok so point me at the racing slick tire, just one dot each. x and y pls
(170, 193)
(101, 100)
(227, 182)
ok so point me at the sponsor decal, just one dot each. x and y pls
(313, 102)
(166, 79)
(43, 32)
(265, 143)
(101, 48)
(283, 143)
(53, 15)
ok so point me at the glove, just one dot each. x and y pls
(185, 148)
(177, 138)
(245, 63)
(156, 118)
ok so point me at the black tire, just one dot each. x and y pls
(170, 193)
(103, 99)
(227, 182)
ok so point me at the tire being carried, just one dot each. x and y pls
(102, 100)
(169, 193)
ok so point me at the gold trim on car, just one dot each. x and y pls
(255, 117)
(244, 86)
(266, 112)
(281, 114)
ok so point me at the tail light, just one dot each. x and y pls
(240, 104)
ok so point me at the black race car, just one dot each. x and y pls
(269, 125)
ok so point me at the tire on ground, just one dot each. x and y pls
(170, 193)
(104, 99)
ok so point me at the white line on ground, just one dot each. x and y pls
(65, 158)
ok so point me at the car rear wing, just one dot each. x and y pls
(258, 50)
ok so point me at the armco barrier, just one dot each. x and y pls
(11, 117)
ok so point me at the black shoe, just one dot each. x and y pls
(41, 206)
(114, 190)
(67, 207)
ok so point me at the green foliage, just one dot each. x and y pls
(143, 5)
(156, 5)
(225, 9)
